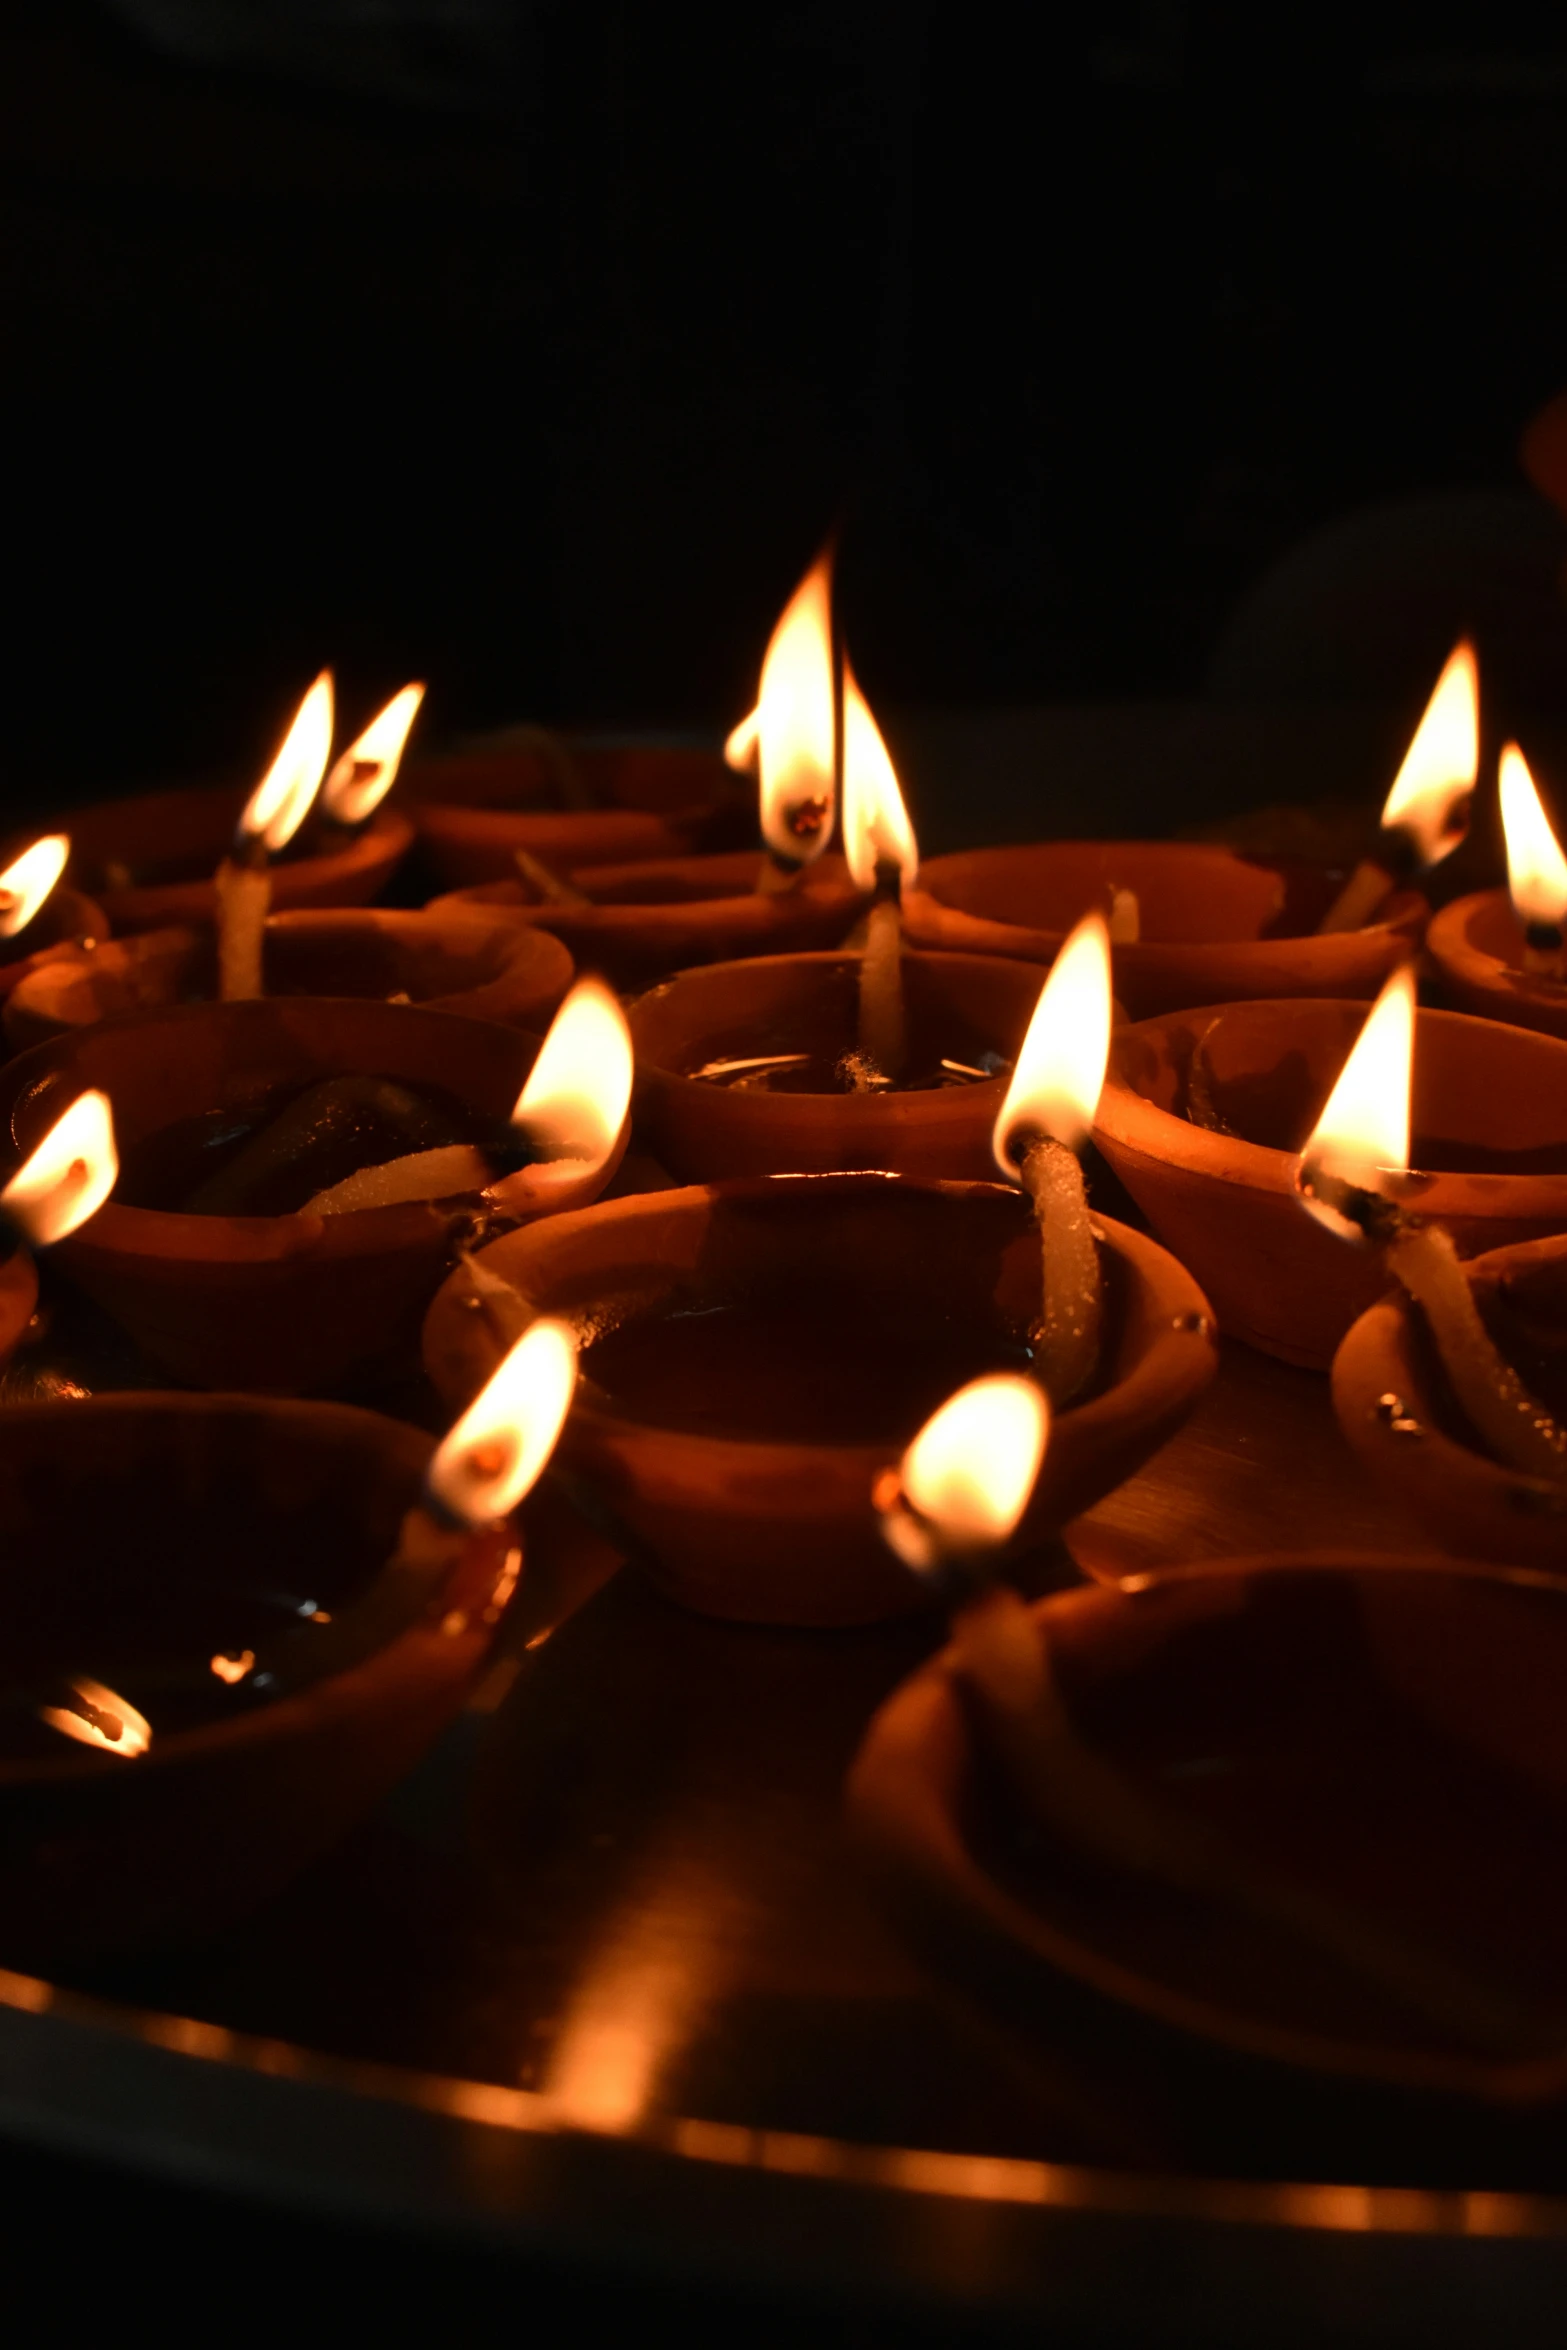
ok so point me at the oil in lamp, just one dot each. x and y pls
(1426, 813)
(272, 815)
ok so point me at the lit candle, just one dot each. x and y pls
(273, 814)
(1536, 868)
(65, 1179)
(362, 777)
(28, 880)
(791, 735)
(881, 852)
(1426, 813)
(1045, 1120)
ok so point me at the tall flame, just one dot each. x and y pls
(366, 772)
(579, 1089)
(102, 1718)
(281, 800)
(1362, 1136)
(1060, 1070)
(68, 1177)
(967, 1477)
(492, 1459)
(28, 879)
(1431, 790)
(1536, 868)
(876, 827)
(794, 723)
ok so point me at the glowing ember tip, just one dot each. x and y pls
(1361, 1141)
(100, 1717)
(27, 881)
(794, 723)
(579, 1089)
(1429, 800)
(68, 1177)
(1060, 1070)
(493, 1457)
(1536, 868)
(367, 770)
(876, 827)
(965, 1481)
(281, 800)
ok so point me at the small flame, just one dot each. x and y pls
(26, 882)
(100, 1717)
(68, 1177)
(794, 725)
(1060, 1070)
(368, 768)
(281, 800)
(876, 827)
(967, 1477)
(1362, 1136)
(233, 1667)
(579, 1089)
(1431, 790)
(740, 749)
(1536, 868)
(493, 1457)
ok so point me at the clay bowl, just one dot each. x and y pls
(1490, 1130)
(291, 1303)
(1476, 944)
(1394, 1404)
(474, 809)
(959, 1005)
(173, 841)
(853, 1306)
(64, 918)
(667, 913)
(1217, 927)
(146, 1534)
(450, 961)
(1386, 1733)
(18, 1301)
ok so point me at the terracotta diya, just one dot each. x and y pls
(751, 1350)
(1499, 952)
(39, 917)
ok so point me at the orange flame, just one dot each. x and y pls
(578, 1091)
(281, 800)
(1362, 1136)
(68, 1177)
(876, 827)
(493, 1457)
(1060, 1070)
(1431, 789)
(367, 770)
(965, 1481)
(794, 728)
(100, 1717)
(741, 746)
(1536, 868)
(27, 881)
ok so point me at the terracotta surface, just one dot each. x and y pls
(807, 1002)
(1217, 926)
(1254, 1694)
(99, 1852)
(18, 1300)
(1228, 1207)
(1476, 944)
(65, 916)
(665, 913)
(785, 1533)
(475, 809)
(193, 829)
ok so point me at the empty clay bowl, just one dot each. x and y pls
(756, 1352)
(1216, 927)
(150, 1538)
(960, 1006)
(1476, 944)
(1490, 1130)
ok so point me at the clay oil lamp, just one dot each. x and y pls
(297, 1174)
(230, 1626)
(1205, 1113)
(65, 1179)
(40, 917)
(1499, 952)
(1193, 923)
(152, 860)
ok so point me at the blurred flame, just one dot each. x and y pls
(1060, 1069)
(367, 770)
(281, 800)
(492, 1458)
(233, 1669)
(1362, 1135)
(579, 1089)
(968, 1474)
(740, 749)
(27, 881)
(1441, 763)
(1536, 868)
(794, 723)
(876, 827)
(105, 1721)
(68, 1177)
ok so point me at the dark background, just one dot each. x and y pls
(532, 349)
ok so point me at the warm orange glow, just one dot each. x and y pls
(1536, 868)
(233, 1669)
(367, 770)
(100, 1718)
(281, 800)
(740, 749)
(68, 1177)
(578, 1092)
(27, 881)
(493, 1457)
(1430, 789)
(876, 827)
(794, 723)
(1362, 1136)
(1060, 1070)
(967, 1476)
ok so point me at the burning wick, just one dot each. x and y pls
(65, 1179)
(1356, 1157)
(273, 814)
(95, 1716)
(1426, 814)
(1045, 1120)
(879, 844)
(367, 770)
(28, 881)
(1536, 868)
(792, 736)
